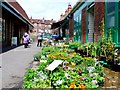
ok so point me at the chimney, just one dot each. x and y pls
(43, 20)
(31, 18)
(61, 16)
(69, 7)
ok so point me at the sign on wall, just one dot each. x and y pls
(14, 41)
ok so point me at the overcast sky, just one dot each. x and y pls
(49, 9)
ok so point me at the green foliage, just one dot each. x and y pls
(37, 55)
(77, 69)
(74, 44)
(28, 78)
(77, 59)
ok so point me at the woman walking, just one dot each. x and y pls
(25, 40)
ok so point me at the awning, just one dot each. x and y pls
(57, 24)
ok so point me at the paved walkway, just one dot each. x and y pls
(14, 65)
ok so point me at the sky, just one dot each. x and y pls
(49, 9)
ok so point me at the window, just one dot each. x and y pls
(40, 25)
(3, 30)
(111, 14)
(35, 24)
(119, 24)
(35, 30)
(77, 26)
(49, 26)
(0, 30)
(119, 14)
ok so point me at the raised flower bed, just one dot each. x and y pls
(75, 71)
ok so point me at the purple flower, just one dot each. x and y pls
(67, 76)
(73, 70)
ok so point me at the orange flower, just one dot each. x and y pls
(80, 79)
(81, 86)
(38, 82)
(47, 81)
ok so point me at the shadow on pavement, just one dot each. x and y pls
(7, 48)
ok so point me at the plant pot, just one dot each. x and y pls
(101, 84)
(102, 58)
(110, 62)
(116, 68)
(76, 49)
(36, 59)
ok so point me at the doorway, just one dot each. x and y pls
(16, 33)
(91, 24)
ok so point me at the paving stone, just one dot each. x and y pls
(112, 78)
(15, 63)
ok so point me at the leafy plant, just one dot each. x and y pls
(74, 44)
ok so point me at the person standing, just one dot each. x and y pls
(40, 38)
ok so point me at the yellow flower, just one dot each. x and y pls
(74, 53)
(73, 85)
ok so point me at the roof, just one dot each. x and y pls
(17, 6)
(58, 24)
(42, 21)
(14, 7)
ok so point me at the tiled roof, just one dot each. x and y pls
(36, 20)
(17, 6)
(42, 21)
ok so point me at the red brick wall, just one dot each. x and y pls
(84, 25)
(99, 15)
(71, 28)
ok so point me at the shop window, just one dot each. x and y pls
(3, 30)
(111, 14)
(77, 25)
(0, 30)
(119, 14)
(119, 24)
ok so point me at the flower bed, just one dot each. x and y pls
(75, 71)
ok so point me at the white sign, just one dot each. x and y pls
(54, 64)
(14, 41)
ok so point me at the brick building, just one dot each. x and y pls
(84, 21)
(14, 23)
(41, 25)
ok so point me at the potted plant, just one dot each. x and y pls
(74, 45)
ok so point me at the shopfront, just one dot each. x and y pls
(112, 20)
